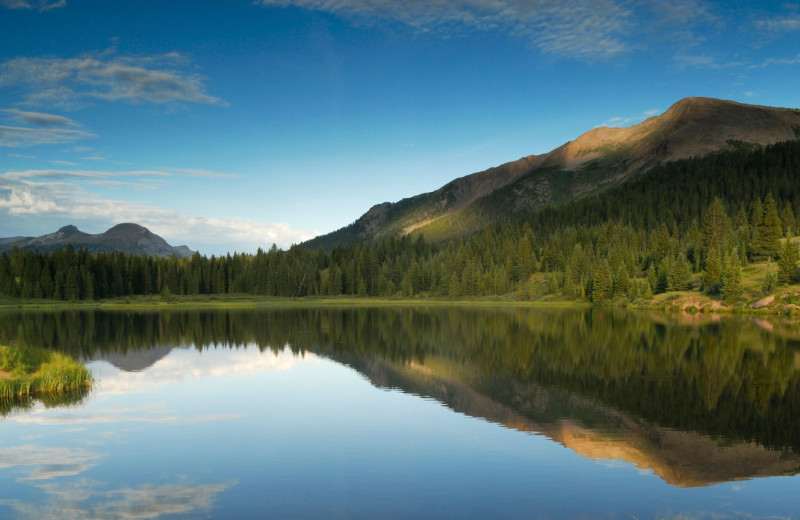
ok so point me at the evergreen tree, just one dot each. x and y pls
(602, 283)
(72, 288)
(732, 279)
(716, 226)
(454, 287)
(712, 274)
(788, 221)
(524, 260)
(622, 282)
(652, 279)
(768, 232)
(787, 262)
(680, 274)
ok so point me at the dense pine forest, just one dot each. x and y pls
(687, 225)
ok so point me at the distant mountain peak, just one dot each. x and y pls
(68, 230)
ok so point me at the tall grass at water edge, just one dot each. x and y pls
(27, 371)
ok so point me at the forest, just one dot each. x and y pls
(687, 225)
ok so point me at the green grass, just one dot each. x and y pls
(27, 371)
(249, 301)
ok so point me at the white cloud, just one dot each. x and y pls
(70, 82)
(62, 163)
(86, 499)
(134, 185)
(21, 156)
(777, 61)
(681, 12)
(40, 119)
(204, 174)
(47, 462)
(41, 5)
(78, 174)
(586, 29)
(42, 129)
(617, 122)
(782, 24)
(703, 61)
(182, 364)
(21, 137)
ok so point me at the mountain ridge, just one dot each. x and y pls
(125, 238)
(597, 159)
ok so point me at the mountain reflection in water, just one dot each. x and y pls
(695, 403)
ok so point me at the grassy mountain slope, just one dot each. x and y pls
(599, 158)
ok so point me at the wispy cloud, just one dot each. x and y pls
(617, 122)
(777, 61)
(63, 163)
(704, 61)
(134, 185)
(39, 119)
(47, 462)
(21, 137)
(21, 156)
(42, 129)
(71, 82)
(204, 174)
(87, 499)
(41, 5)
(183, 364)
(61, 175)
(780, 24)
(586, 29)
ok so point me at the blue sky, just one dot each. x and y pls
(231, 125)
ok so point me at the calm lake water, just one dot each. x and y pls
(407, 413)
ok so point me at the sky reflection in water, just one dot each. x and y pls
(241, 433)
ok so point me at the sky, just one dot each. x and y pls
(232, 125)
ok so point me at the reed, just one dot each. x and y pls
(25, 371)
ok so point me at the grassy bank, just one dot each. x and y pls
(244, 301)
(26, 371)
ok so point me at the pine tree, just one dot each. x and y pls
(732, 279)
(788, 221)
(768, 232)
(680, 274)
(787, 262)
(454, 288)
(602, 283)
(712, 275)
(622, 282)
(716, 226)
(652, 279)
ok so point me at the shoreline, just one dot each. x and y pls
(683, 302)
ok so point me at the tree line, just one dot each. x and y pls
(690, 224)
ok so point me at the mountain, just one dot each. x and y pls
(134, 360)
(587, 427)
(125, 238)
(598, 159)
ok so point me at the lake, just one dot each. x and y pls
(424, 412)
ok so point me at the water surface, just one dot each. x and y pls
(407, 413)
